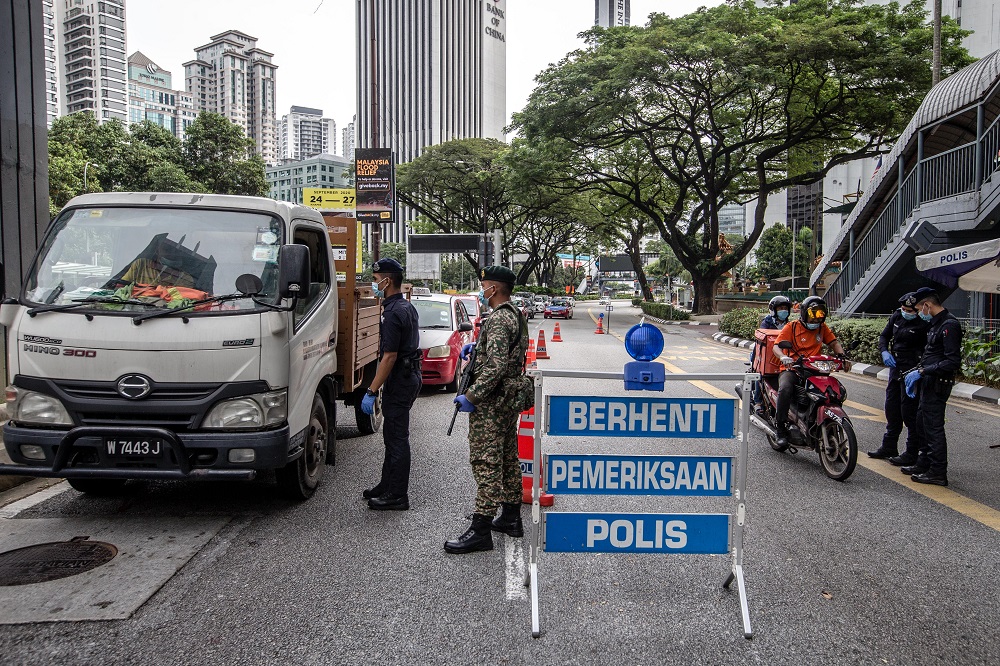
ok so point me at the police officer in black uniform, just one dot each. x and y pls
(399, 375)
(902, 342)
(933, 379)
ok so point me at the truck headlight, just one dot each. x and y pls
(441, 351)
(26, 406)
(252, 411)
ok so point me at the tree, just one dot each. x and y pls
(730, 104)
(774, 252)
(218, 154)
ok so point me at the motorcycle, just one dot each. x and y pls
(816, 417)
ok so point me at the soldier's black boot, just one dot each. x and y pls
(509, 520)
(479, 536)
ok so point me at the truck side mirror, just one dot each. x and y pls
(465, 326)
(293, 271)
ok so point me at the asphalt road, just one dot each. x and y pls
(875, 570)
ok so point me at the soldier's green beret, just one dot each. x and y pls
(498, 274)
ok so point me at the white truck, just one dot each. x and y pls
(174, 336)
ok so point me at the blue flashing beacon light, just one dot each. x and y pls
(644, 343)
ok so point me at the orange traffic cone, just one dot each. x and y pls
(532, 363)
(600, 325)
(540, 351)
(526, 456)
(557, 336)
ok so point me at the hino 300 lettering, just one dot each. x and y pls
(173, 336)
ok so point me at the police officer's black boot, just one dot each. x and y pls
(509, 520)
(479, 536)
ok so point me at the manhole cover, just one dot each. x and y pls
(52, 561)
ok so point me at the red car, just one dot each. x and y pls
(445, 325)
(472, 306)
(559, 307)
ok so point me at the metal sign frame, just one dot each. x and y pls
(737, 515)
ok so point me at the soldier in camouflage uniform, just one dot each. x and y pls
(493, 416)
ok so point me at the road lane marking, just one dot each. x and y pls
(14, 508)
(703, 385)
(514, 556)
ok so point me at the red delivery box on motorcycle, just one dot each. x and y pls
(765, 361)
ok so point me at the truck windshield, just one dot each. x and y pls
(138, 259)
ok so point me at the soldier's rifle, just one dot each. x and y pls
(463, 385)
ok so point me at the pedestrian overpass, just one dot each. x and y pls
(939, 187)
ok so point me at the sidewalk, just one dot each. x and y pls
(973, 392)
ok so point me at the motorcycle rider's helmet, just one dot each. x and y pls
(779, 302)
(813, 311)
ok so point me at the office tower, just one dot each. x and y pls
(286, 181)
(611, 13)
(91, 48)
(231, 76)
(348, 140)
(443, 77)
(304, 133)
(50, 37)
(151, 97)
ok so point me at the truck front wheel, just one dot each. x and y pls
(299, 478)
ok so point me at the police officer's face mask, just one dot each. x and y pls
(378, 291)
(908, 316)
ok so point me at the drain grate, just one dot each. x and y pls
(52, 561)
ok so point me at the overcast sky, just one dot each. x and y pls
(313, 41)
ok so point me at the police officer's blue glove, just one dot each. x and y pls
(466, 348)
(368, 404)
(464, 404)
(889, 361)
(911, 379)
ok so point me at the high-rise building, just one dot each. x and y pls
(348, 140)
(611, 13)
(232, 77)
(90, 46)
(325, 171)
(304, 132)
(443, 77)
(151, 97)
(50, 46)
(732, 219)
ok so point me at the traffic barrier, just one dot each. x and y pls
(532, 363)
(557, 336)
(526, 456)
(540, 351)
(694, 476)
(600, 325)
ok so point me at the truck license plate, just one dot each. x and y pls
(122, 447)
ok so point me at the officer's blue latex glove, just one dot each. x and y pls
(889, 361)
(368, 404)
(464, 404)
(911, 379)
(465, 350)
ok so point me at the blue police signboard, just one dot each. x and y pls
(713, 418)
(638, 475)
(701, 533)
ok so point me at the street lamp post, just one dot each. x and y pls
(794, 221)
(85, 165)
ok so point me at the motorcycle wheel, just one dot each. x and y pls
(838, 449)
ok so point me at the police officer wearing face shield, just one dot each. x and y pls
(933, 380)
(399, 376)
(902, 342)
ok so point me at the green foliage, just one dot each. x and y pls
(637, 301)
(859, 337)
(980, 363)
(774, 252)
(395, 251)
(731, 103)
(663, 311)
(215, 157)
(742, 322)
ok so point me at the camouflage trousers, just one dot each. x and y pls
(493, 456)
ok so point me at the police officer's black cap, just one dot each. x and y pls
(922, 293)
(388, 265)
(909, 300)
(498, 274)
